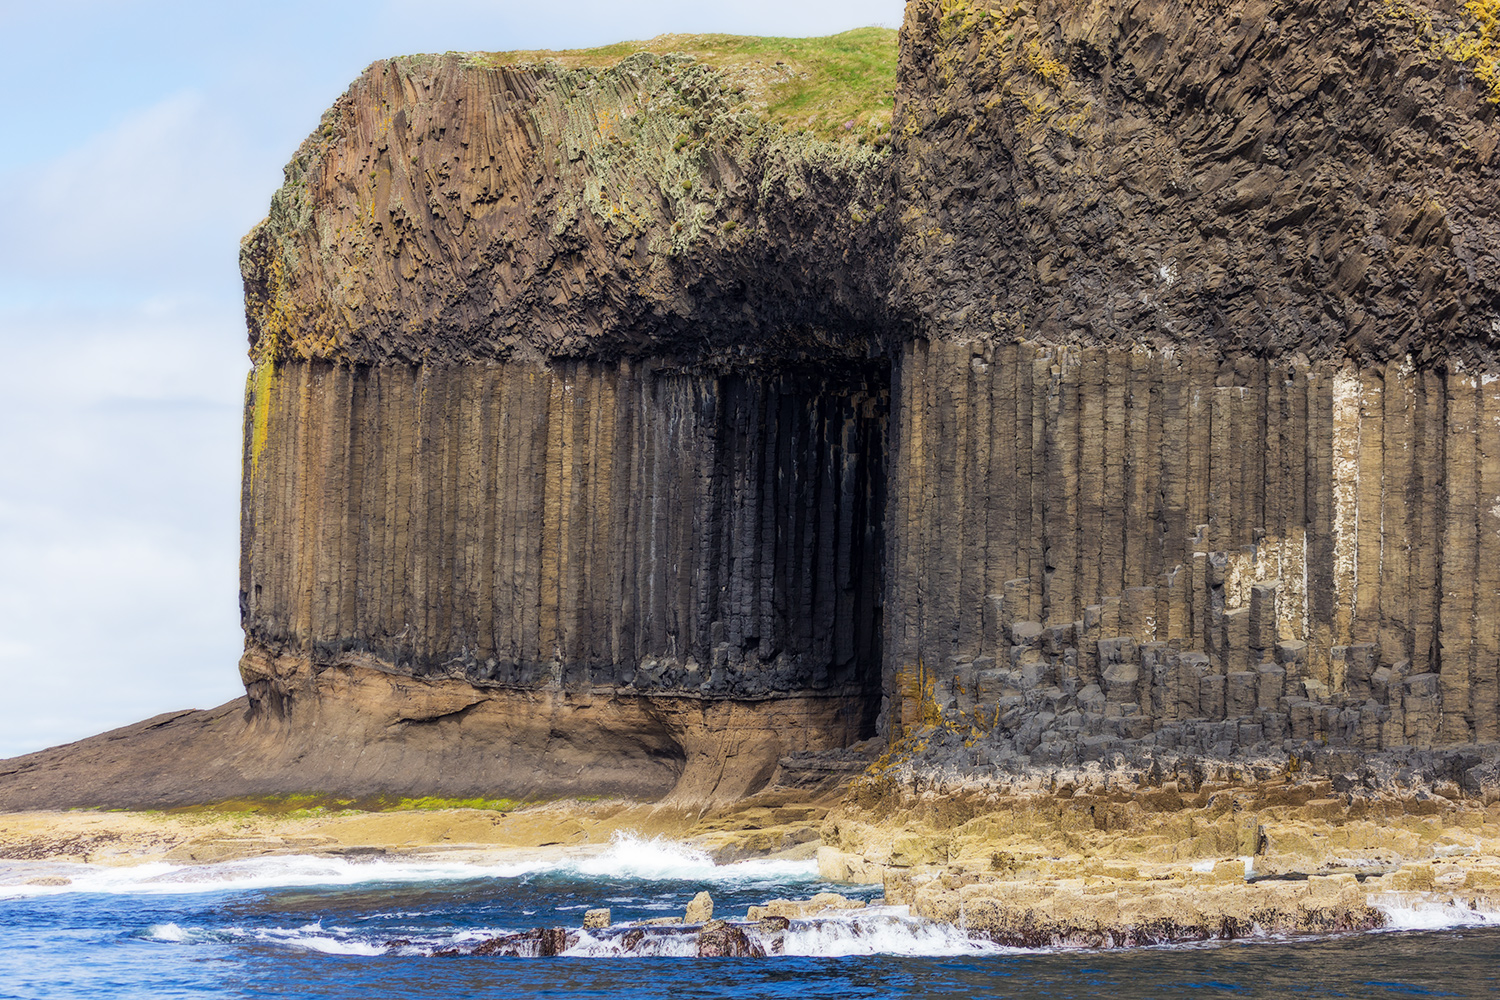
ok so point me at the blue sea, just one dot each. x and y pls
(386, 928)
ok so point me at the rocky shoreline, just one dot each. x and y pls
(1088, 863)
(1156, 849)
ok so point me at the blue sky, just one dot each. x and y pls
(142, 140)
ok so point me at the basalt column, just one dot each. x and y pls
(1119, 545)
(626, 533)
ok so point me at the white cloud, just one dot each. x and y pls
(151, 197)
(118, 516)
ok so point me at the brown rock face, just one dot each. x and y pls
(1256, 177)
(1193, 450)
(459, 208)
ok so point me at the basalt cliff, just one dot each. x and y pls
(1114, 405)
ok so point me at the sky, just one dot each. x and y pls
(143, 139)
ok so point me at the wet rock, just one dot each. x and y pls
(796, 908)
(542, 942)
(720, 939)
(596, 919)
(772, 925)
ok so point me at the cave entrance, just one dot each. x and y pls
(798, 521)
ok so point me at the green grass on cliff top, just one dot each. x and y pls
(818, 84)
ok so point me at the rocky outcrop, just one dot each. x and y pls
(463, 208)
(1194, 444)
(563, 418)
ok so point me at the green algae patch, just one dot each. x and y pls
(838, 87)
(428, 803)
(304, 805)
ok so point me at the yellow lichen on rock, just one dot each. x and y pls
(1474, 40)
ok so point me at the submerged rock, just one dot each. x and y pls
(543, 942)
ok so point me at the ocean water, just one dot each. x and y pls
(336, 927)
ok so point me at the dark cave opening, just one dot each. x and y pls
(797, 523)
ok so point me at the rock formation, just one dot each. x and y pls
(562, 398)
(1206, 296)
(1133, 395)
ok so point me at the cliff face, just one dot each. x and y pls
(580, 525)
(465, 208)
(1131, 399)
(1255, 177)
(565, 438)
(1196, 447)
(479, 536)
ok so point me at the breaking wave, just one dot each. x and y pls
(627, 857)
(886, 930)
(1423, 911)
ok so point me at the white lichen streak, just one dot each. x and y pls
(1346, 426)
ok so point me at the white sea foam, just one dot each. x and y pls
(887, 930)
(655, 944)
(884, 930)
(627, 856)
(280, 872)
(658, 859)
(309, 937)
(316, 939)
(1425, 911)
(168, 933)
